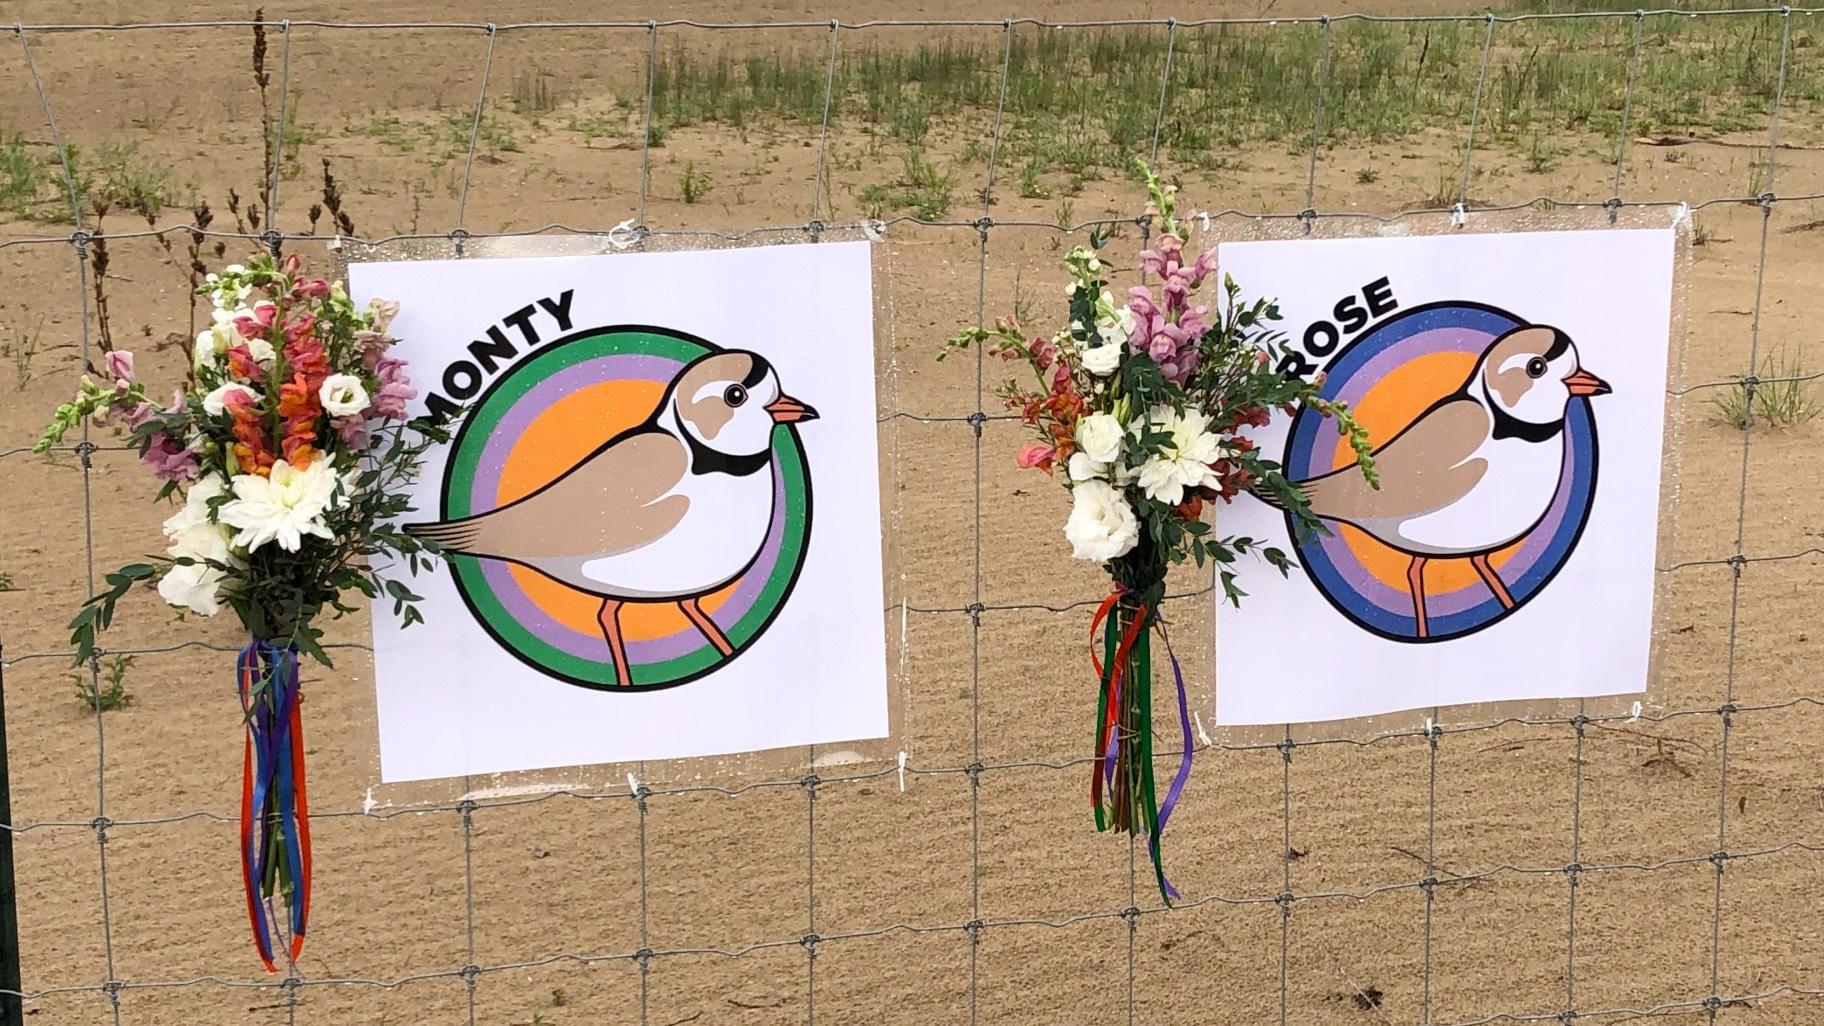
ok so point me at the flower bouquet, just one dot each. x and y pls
(286, 453)
(1142, 406)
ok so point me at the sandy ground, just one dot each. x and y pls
(727, 873)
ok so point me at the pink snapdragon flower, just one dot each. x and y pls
(259, 323)
(119, 364)
(1036, 455)
(353, 431)
(168, 458)
(395, 389)
(1167, 328)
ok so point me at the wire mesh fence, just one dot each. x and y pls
(805, 954)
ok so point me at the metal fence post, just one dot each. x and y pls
(12, 1005)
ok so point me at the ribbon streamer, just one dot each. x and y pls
(275, 813)
(1108, 707)
(1129, 667)
(1184, 768)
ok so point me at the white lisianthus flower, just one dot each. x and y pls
(1183, 462)
(1082, 468)
(1100, 436)
(1102, 525)
(343, 395)
(1101, 360)
(283, 507)
(197, 586)
(214, 404)
(1118, 327)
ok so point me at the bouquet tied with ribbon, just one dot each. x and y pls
(286, 452)
(1141, 408)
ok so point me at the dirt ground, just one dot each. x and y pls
(726, 875)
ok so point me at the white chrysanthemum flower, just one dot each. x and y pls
(1183, 461)
(283, 507)
(1102, 525)
(215, 404)
(343, 395)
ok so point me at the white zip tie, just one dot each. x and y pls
(633, 786)
(368, 804)
(902, 772)
(1459, 216)
(618, 236)
(1201, 733)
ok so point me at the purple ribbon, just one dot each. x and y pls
(1184, 764)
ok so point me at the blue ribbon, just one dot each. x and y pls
(268, 686)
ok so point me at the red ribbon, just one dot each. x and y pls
(303, 799)
(1111, 684)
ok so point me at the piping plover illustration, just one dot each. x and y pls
(667, 511)
(1477, 470)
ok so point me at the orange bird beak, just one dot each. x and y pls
(786, 410)
(1584, 383)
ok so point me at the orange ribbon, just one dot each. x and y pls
(1111, 684)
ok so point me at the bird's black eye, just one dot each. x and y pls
(1535, 367)
(736, 395)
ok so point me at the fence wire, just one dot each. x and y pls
(1434, 734)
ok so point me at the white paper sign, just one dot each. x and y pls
(663, 486)
(1514, 388)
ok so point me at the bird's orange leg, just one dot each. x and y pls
(706, 625)
(1492, 579)
(611, 629)
(1415, 580)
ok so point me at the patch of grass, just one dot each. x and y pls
(110, 693)
(1087, 98)
(1031, 187)
(1445, 192)
(597, 126)
(6, 581)
(534, 92)
(389, 131)
(1066, 216)
(21, 177)
(874, 200)
(694, 183)
(22, 349)
(116, 176)
(1367, 176)
(926, 190)
(1785, 396)
(1541, 158)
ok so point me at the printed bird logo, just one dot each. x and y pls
(1475, 472)
(667, 511)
